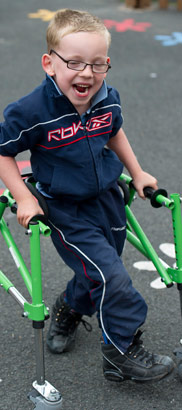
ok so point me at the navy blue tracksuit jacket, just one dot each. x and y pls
(78, 174)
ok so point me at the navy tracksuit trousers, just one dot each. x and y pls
(89, 237)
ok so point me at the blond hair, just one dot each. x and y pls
(67, 21)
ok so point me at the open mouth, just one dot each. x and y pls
(82, 89)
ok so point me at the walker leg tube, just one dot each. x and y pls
(178, 350)
(45, 396)
(179, 286)
(177, 229)
(149, 250)
(39, 352)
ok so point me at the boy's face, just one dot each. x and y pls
(78, 86)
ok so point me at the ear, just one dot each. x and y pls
(47, 64)
(108, 61)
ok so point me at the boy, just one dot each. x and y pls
(66, 123)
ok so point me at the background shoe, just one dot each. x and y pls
(136, 364)
(64, 323)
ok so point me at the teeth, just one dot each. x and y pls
(82, 85)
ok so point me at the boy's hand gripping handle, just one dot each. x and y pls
(152, 194)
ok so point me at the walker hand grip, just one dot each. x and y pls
(161, 194)
(38, 217)
(42, 220)
(152, 195)
(148, 192)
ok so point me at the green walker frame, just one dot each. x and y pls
(44, 395)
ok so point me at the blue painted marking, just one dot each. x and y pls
(172, 40)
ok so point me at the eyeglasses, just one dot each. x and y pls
(80, 66)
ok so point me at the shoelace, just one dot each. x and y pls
(137, 351)
(68, 320)
(86, 325)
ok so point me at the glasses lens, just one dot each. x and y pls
(100, 68)
(76, 65)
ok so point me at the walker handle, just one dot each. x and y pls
(157, 198)
(148, 192)
(42, 221)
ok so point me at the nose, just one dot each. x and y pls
(87, 72)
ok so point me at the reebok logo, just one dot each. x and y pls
(99, 122)
(94, 124)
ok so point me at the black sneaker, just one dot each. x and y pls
(136, 364)
(64, 323)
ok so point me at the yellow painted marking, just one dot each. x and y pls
(42, 14)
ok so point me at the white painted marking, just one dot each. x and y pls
(168, 249)
(157, 284)
(148, 265)
(144, 265)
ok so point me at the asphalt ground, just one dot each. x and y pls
(147, 72)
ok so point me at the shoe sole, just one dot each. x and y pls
(117, 377)
(56, 350)
(113, 376)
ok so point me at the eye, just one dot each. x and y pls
(75, 64)
(100, 67)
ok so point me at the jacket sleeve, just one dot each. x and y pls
(117, 113)
(17, 132)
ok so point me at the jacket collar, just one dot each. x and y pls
(55, 92)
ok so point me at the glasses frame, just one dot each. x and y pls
(107, 65)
